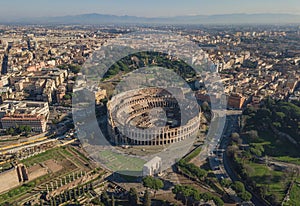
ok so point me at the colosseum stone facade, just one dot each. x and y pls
(152, 116)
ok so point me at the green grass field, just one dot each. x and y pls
(271, 179)
(295, 194)
(19, 191)
(289, 160)
(119, 162)
(49, 154)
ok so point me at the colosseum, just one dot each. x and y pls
(152, 116)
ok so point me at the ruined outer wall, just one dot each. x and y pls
(124, 103)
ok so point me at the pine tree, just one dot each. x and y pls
(147, 199)
(133, 197)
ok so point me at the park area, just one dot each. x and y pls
(295, 194)
(274, 182)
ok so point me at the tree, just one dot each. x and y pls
(147, 199)
(176, 190)
(187, 193)
(190, 193)
(250, 64)
(133, 197)
(21, 128)
(253, 134)
(263, 115)
(74, 68)
(6, 204)
(249, 111)
(257, 149)
(192, 170)
(273, 199)
(262, 191)
(67, 97)
(196, 196)
(241, 191)
(205, 107)
(238, 186)
(153, 183)
(225, 182)
(246, 196)
(280, 115)
(10, 131)
(232, 150)
(27, 129)
(277, 124)
(217, 201)
(24, 129)
(236, 138)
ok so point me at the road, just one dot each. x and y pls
(232, 125)
(216, 131)
(223, 124)
(5, 60)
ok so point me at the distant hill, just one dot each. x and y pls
(198, 19)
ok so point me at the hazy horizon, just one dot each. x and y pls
(16, 9)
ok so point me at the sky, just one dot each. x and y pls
(11, 9)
